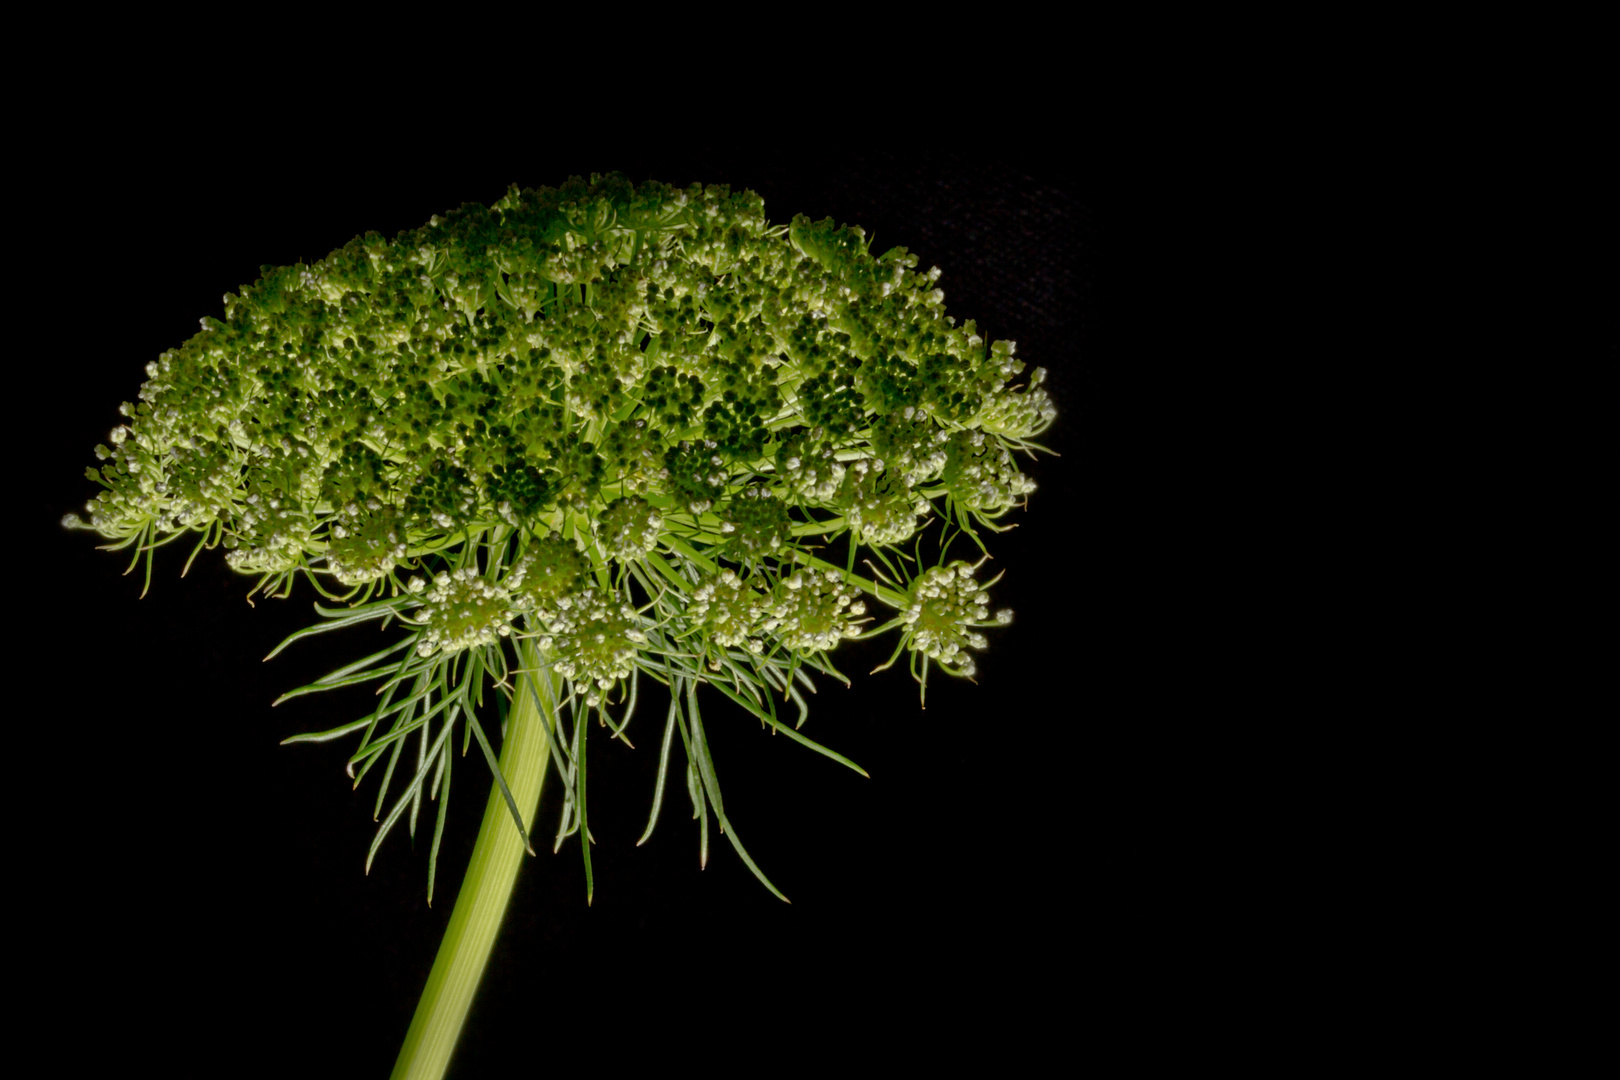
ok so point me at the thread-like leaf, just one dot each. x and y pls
(731, 834)
(500, 781)
(324, 627)
(407, 798)
(447, 763)
(792, 734)
(663, 773)
(700, 746)
(330, 734)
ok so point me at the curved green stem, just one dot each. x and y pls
(488, 885)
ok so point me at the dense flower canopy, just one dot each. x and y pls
(614, 421)
(538, 360)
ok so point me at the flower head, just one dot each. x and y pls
(593, 430)
(814, 610)
(593, 639)
(981, 473)
(365, 542)
(727, 609)
(548, 570)
(629, 529)
(880, 506)
(462, 609)
(757, 521)
(944, 606)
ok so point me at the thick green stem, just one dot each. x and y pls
(488, 885)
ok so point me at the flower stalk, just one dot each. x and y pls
(481, 904)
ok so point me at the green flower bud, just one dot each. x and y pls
(981, 473)
(911, 444)
(276, 555)
(1020, 413)
(808, 468)
(697, 474)
(881, 508)
(549, 569)
(756, 520)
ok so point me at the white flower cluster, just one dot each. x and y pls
(365, 543)
(814, 610)
(880, 507)
(1020, 413)
(282, 550)
(813, 474)
(629, 529)
(728, 609)
(911, 445)
(592, 638)
(945, 603)
(461, 610)
(982, 474)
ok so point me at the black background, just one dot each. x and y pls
(960, 892)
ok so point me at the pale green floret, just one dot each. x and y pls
(728, 610)
(629, 529)
(551, 568)
(981, 473)
(697, 474)
(911, 445)
(365, 543)
(593, 639)
(1021, 413)
(945, 604)
(880, 507)
(814, 610)
(809, 469)
(278, 552)
(757, 521)
(460, 610)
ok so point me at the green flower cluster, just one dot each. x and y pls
(613, 429)
(550, 569)
(629, 528)
(461, 610)
(945, 606)
(814, 611)
(594, 638)
(728, 610)
(549, 353)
